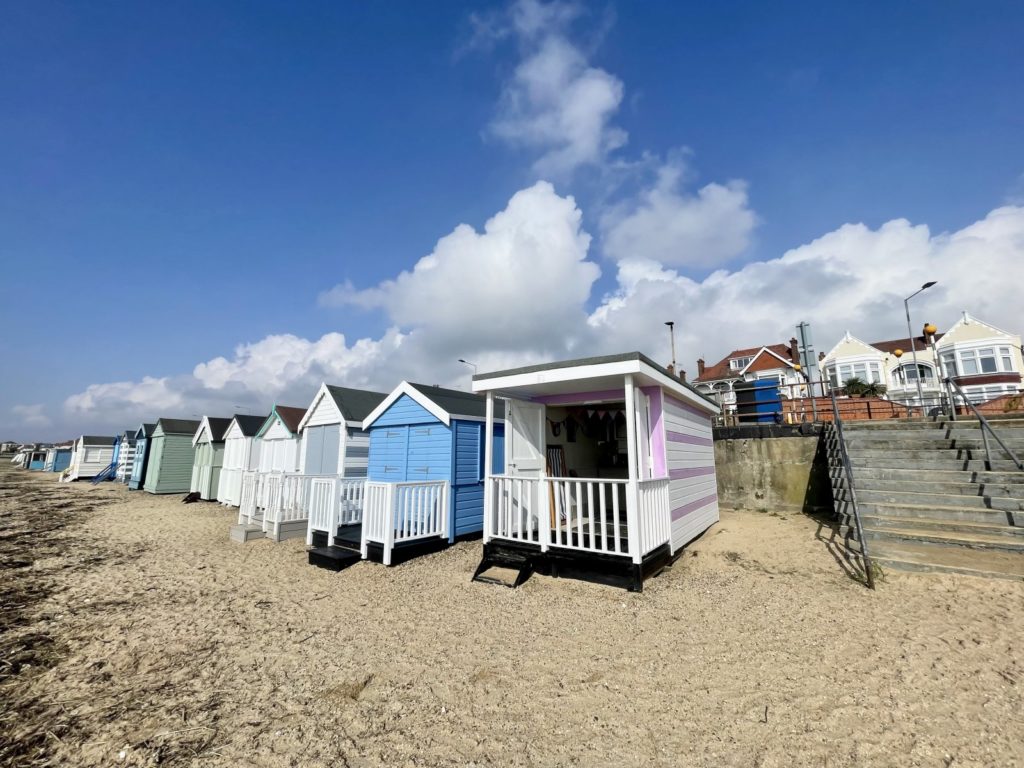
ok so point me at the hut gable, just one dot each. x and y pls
(244, 426)
(211, 430)
(337, 405)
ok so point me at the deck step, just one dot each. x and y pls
(333, 558)
(243, 532)
(519, 567)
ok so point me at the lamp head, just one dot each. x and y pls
(929, 284)
(897, 353)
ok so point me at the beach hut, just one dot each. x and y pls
(36, 459)
(171, 456)
(140, 461)
(91, 455)
(609, 469)
(58, 458)
(208, 443)
(279, 455)
(334, 455)
(425, 477)
(125, 456)
(241, 454)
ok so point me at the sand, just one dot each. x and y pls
(153, 640)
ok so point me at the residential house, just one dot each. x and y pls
(984, 360)
(774, 361)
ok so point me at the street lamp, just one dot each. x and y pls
(672, 337)
(913, 346)
(471, 365)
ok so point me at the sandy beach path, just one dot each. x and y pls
(153, 640)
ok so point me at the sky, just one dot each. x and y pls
(207, 208)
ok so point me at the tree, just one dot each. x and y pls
(856, 387)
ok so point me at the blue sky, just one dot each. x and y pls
(211, 168)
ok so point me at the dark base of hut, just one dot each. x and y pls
(347, 543)
(610, 570)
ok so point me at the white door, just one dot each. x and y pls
(524, 437)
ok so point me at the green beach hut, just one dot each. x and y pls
(172, 456)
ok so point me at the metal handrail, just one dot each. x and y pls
(848, 470)
(984, 426)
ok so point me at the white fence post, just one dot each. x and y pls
(489, 485)
(632, 491)
(389, 523)
(542, 513)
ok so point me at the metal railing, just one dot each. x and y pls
(848, 471)
(986, 428)
(797, 403)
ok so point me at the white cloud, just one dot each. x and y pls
(664, 223)
(31, 415)
(852, 278)
(518, 292)
(519, 285)
(556, 103)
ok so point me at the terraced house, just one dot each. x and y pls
(984, 360)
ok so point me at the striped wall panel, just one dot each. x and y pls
(690, 459)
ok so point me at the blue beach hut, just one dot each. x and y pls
(425, 476)
(140, 461)
(58, 458)
(36, 459)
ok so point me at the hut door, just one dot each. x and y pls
(524, 452)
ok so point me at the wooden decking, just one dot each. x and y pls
(348, 541)
(596, 567)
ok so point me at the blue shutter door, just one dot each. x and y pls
(388, 454)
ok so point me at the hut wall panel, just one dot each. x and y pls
(690, 457)
(355, 452)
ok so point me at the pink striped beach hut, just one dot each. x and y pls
(609, 469)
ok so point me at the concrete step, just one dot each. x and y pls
(928, 525)
(908, 475)
(931, 444)
(946, 538)
(944, 432)
(925, 558)
(995, 421)
(243, 532)
(951, 512)
(933, 463)
(871, 452)
(867, 495)
(923, 485)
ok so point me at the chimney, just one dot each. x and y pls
(700, 367)
(682, 375)
(794, 351)
(671, 369)
(821, 356)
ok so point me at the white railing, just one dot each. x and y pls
(269, 499)
(332, 502)
(583, 514)
(654, 514)
(516, 507)
(248, 497)
(398, 512)
(589, 515)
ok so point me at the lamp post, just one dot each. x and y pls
(471, 365)
(672, 338)
(913, 346)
